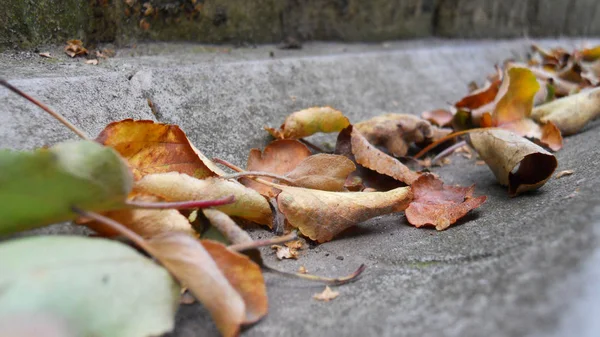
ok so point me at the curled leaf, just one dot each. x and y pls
(174, 186)
(307, 122)
(75, 48)
(245, 276)
(279, 157)
(571, 113)
(480, 97)
(439, 117)
(321, 215)
(40, 187)
(515, 161)
(437, 205)
(195, 269)
(151, 147)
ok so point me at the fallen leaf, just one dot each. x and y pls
(75, 48)
(322, 171)
(92, 62)
(437, 205)
(591, 54)
(307, 122)
(480, 97)
(320, 215)
(174, 186)
(194, 267)
(570, 114)
(302, 270)
(279, 157)
(35, 325)
(395, 132)
(515, 161)
(296, 244)
(327, 295)
(284, 252)
(372, 158)
(439, 117)
(224, 224)
(245, 276)
(99, 287)
(151, 147)
(40, 187)
(563, 174)
(46, 55)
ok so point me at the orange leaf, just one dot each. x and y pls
(480, 97)
(519, 88)
(244, 275)
(151, 147)
(438, 205)
(439, 117)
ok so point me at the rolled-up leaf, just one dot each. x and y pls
(515, 161)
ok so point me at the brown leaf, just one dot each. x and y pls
(284, 252)
(327, 295)
(226, 226)
(280, 157)
(93, 62)
(151, 147)
(321, 215)
(174, 186)
(146, 222)
(437, 205)
(372, 158)
(195, 269)
(307, 122)
(75, 48)
(245, 276)
(563, 174)
(571, 113)
(46, 55)
(439, 117)
(322, 171)
(515, 161)
(395, 132)
(480, 97)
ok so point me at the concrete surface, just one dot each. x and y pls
(528, 266)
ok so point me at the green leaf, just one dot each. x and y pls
(39, 187)
(98, 287)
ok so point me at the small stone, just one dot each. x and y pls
(340, 258)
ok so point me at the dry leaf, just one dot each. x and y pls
(439, 117)
(322, 171)
(437, 205)
(174, 186)
(327, 295)
(395, 132)
(307, 122)
(75, 48)
(245, 276)
(46, 55)
(92, 62)
(195, 269)
(279, 157)
(283, 252)
(372, 158)
(515, 161)
(591, 54)
(480, 97)
(571, 113)
(320, 215)
(563, 174)
(224, 224)
(302, 270)
(151, 147)
(296, 244)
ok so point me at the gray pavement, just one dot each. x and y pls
(526, 266)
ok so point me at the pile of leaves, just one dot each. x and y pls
(169, 221)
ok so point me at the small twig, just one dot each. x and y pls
(181, 204)
(448, 151)
(259, 174)
(56, 115)
(312, 146)
(116, 226)
(327, 280)
(267, 242)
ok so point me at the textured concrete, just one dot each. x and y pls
(527, 266)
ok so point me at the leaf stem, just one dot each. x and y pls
(267, 242)
(238, 169)
(116, 226)
(54, 114)
(181, 204)
(442, 140)
(448, 151)
(326, 280)
(259, 174)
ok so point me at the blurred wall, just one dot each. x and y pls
(29, 23)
